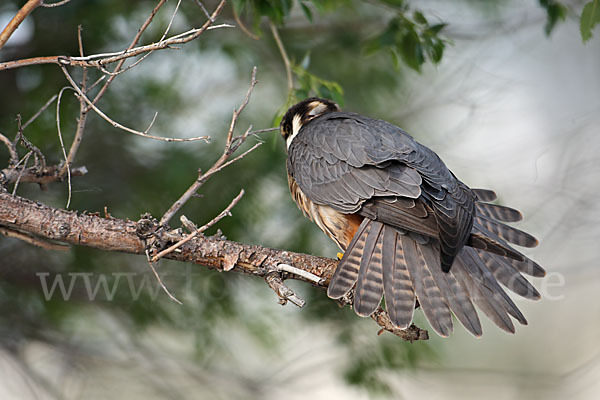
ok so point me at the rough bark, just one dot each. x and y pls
(112, 234)
(126, 236)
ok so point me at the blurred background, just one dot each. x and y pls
(505, 92)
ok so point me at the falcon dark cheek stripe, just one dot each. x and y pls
(413, 234)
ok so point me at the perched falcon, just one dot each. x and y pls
(412, 232)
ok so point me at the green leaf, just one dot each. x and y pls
(307, 12)
(555, 12)
(395, 58)
(419, 17)
(411, 50)
(435, 29)
(435, 51)
(589, 18)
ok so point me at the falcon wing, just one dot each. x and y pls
(348, 161)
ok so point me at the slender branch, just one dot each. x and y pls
(112, 234)
(17, 19)
(263, 130)
(284, 56)
(98, 60)
(171, 20)
(293, 270)
(12, 150)
(131, 45)
(159, 279)
(57, 4)
(20, 138)
(24, 160)
(228, 163)
(81, 120)
(27, 238)
(62, 144)
(123, 127)
(40, 111)
(242, 26)
(223, 214)
(222, 162)
(204, 10)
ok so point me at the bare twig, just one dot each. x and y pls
(131, 45)
(222, 162)
(118, 69)
(300, 272)
(83, 111)
(24, 160)
(12, 150)
(223, 214)
(28, 238)
(284, 56)
(204, 10)
(284, 293)
(57, 4)
(62, 144)
(20, 138)
(17, 19)
(242, 26)
(263, 130)
(123, 127)
(98, 60)
(39, 112)
(98, 81)
(228, 163)
(160, 281)
(171, 20)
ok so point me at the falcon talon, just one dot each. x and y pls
(411, 231)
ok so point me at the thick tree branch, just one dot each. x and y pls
(111, 234)
(42, 176)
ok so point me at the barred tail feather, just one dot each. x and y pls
(346, 274)
(399, 294)
(452, 291)
(369, 286)
(485, 194)
(498, 212)
(433, 305)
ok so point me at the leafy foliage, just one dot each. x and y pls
(412, 39)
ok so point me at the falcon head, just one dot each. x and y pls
(298, 115)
